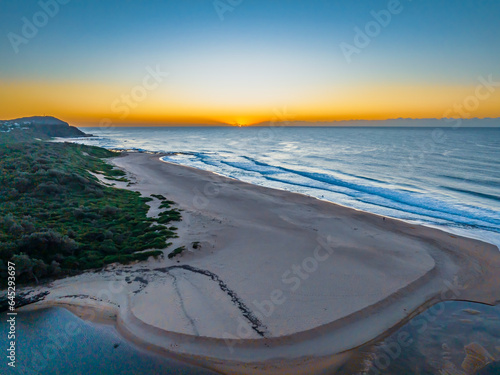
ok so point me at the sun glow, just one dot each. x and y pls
(92, 104)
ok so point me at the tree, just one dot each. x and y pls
(33, 268)
(24, 265)
(48, 243)
(55, 268)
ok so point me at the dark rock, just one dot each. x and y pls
(21, 299)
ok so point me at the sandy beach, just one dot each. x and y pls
(272, 282)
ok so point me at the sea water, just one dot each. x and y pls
(443, 177)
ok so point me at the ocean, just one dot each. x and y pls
(447, 178)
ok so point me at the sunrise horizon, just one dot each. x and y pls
(128, 110)
(249, 63)
(354, 122)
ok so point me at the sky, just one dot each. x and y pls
(152, 62)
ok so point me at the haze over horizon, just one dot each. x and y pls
(247, 62)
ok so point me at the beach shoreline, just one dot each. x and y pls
(380, 271)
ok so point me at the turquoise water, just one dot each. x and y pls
(54, 341)
(443, 177)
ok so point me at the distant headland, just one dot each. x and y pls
(42, 127)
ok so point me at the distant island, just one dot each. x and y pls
(41, 127)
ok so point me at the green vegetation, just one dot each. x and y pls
(159, 197)
(7, 134)
(171, 214)
(41, 127)
(176, 252)
(57, 219)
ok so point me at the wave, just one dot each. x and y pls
(473, 193)
(366, 190)
(452, 185)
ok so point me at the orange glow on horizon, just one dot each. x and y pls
(93, 104)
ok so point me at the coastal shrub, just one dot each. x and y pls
(107, 247)
(121, 258)
(93, 236)
(70, 262)
(56, 173)
(121, 179)
(7, 220)
(40, 269)
(166, 204)
(83, 213)
(176, 252)
(109, 211)
(71, 234)
(52, 210)
(158, 243)
(16, 228)
(47, 243)
(10, 193)
(3, 269)
(42, 160)
(166, 217)
(27, 225)
(28, 268)
(114, 172)
(54, 268)
(78, 213)
(22, 184)
(48, 188)
(146, 254)
(158, 196)
(7, 250)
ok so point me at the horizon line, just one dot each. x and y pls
(296, 123)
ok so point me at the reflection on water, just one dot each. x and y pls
(450, 338)
(54, 341)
